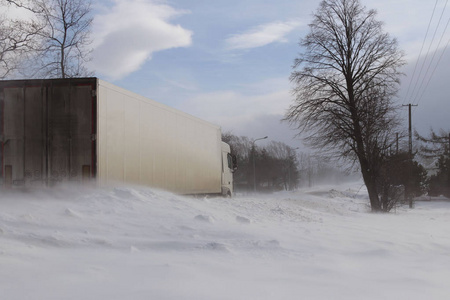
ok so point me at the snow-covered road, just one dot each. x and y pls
(139, 243)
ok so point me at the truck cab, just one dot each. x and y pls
(229, 166)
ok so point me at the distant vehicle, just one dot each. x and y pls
(75, 130)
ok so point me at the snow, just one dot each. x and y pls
(140, 243)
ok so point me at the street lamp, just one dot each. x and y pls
(254, 171)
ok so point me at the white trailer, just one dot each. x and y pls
(71, 130)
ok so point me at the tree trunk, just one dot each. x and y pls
(370, 182)
(369, 175)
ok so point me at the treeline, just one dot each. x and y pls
(436, 147)
(404, 171)
(276, 166)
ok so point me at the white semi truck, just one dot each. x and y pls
(83, 129)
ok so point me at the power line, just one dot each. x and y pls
(428, 51)
(417, 97)
(420, 53)
(434, 70)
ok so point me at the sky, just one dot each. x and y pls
(229, 61)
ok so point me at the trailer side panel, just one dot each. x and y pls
(144, 142)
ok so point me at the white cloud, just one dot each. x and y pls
(261, 35)
(232, 109)
(127, 34)
(248, 115)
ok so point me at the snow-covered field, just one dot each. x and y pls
(138, 243)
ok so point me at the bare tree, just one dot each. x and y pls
(437, 148)
(436, 145)
(344, 89)
(241, 147)
(276, 165)
(65, 37)
(18, 38)
(285, 166)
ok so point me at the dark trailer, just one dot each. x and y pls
(48, 131)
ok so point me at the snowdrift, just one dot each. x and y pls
(139, 243)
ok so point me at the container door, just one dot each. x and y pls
(70, 133)
(23, 132)
(48, 134)
(34, 138)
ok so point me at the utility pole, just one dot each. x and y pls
(410, 127)
(407, 191)
(396, 145)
